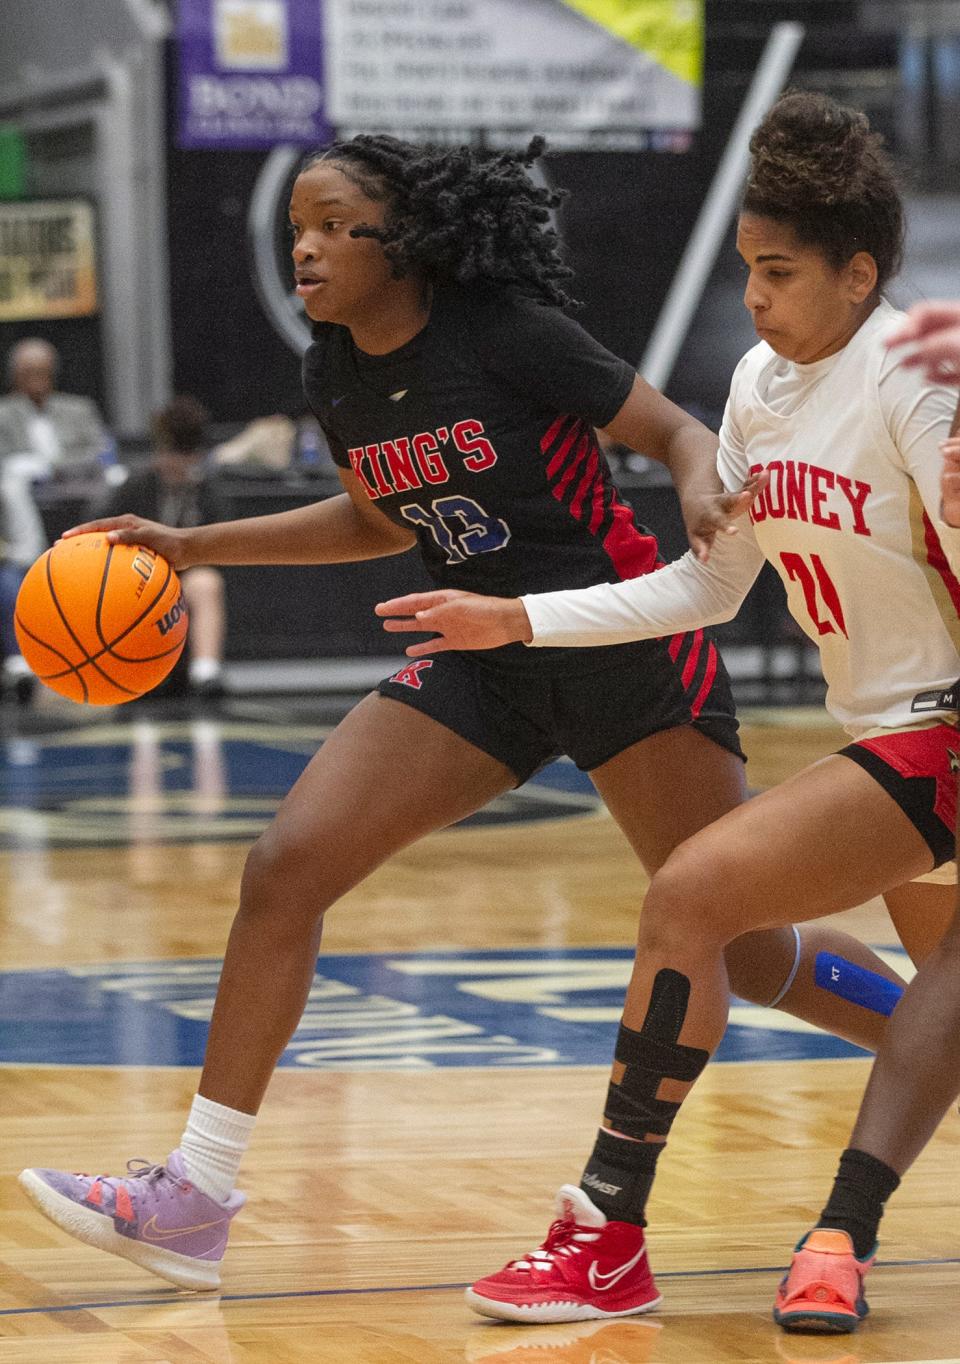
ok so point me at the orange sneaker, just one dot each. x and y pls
(823, 1288)
(587, 1269)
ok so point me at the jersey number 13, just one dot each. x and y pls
(460, 526)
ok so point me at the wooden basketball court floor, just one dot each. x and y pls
(448, 1078)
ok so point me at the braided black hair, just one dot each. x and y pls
(817, 167)
(458, 214)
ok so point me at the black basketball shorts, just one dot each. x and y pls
(606, 699)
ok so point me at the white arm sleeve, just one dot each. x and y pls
(917, 415)
(683, 596)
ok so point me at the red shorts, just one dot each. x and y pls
(919, 769)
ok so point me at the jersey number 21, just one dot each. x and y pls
(819, 591)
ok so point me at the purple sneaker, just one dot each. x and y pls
(153, 1216)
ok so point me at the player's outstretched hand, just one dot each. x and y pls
(950, 481)
(134, 530)
(931, 331)
(462, 620)
(706, 515)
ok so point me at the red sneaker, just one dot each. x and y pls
(587, 1268)
(823, 1288)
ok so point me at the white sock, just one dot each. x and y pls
(213, 1143)
(204, 669)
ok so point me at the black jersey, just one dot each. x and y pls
(478, 434)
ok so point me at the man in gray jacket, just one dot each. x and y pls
(43, 434)
(62, 432)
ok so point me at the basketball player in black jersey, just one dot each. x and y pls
(460, 403)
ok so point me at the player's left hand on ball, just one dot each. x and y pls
(136, 530)
(461, 620)
(706, 515)
(950, 481)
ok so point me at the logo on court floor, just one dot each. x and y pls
(136, 781)
(389, 1011)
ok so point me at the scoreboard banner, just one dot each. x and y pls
(611, 74)
(588, 73)
(47, 260)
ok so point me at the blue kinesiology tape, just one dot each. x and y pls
(856, 983)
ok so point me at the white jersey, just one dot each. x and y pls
(850, 521)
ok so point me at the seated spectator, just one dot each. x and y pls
(178, 490)
(265, 443)
(22, 539)
(62, 433)
(279, 444)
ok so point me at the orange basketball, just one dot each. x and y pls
(100, 623)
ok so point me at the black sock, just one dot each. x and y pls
(619, 1175)
(862, 1186)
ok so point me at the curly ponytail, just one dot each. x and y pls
(817, 166)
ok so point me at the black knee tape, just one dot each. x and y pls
(636, 1050)
(651, 1055)
(638, 1115)
(668, 1005)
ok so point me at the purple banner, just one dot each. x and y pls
(250, 74)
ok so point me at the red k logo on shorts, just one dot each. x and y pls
(410, 675)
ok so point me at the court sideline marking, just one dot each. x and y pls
(171, 1300)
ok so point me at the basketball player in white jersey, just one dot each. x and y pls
(916, 1076)
(848, 441)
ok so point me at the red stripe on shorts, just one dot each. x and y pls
(693, 657)
(707, 683)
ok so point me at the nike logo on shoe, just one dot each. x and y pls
(601, 1283)
(150, 1231)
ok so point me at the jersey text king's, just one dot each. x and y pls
(411, 461)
